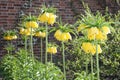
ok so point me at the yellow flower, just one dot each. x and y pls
(93, 50)
(27, 32)
(81, 27)
(14, 37)
(43, 34)
(99, 49)
(87, 47)
(91, 37)
(44, 17)
(52, 50)
(106, 30)
(68, 36)
(90, 48)
(22, 31)
(31, 24)
(52, 18)
(40, 34)
(93, 31)
(8, 38)
(65, 36)
(57, 35)
(62, 36)
(101, 36)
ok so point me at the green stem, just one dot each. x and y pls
(8, 51)
(46, 39)
(92, 77)
(97, 59)
(51, 58)
(86, 66)
(11, 46)
(26, 43)
(41, 46)
(31, 43)
(63, 61)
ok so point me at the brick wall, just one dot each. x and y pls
(67, 9)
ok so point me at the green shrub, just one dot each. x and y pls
(22, 66)
(109, 58)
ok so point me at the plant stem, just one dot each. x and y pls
(92, 77)
(63, 61)
(97, 59)
(46, 43)
(51, 58)
(86, 66)
(8, 51)
(41, 46)
(31, 43)
(25, 42)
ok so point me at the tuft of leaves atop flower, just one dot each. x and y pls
(48, 9)
(94, 19)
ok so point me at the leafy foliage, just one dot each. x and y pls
(110, 59)
(84, 76)
(23, 67)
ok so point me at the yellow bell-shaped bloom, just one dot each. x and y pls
(68, 36)
(106, 30)
(57, 35)
(52, 18)
(90, 48)
(101, 36)
(93, 31)
(52, 50)
(81, 27)
(38, 34)
(14, 37)
(8, 38)
(99, 49)
(87, 47)
(31, 24)
(22, 31)
(43, 34)
(64, 37)
(93, 49)
(91, 37)
(44, 17)
(27, 32)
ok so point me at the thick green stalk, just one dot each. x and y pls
(46, 39)
(63, 60)
(97, 60)
(41, 47)
(92, 77)
(51, 58)
(86, 67)
(31, 43)
(8, 51)
(25, 42)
